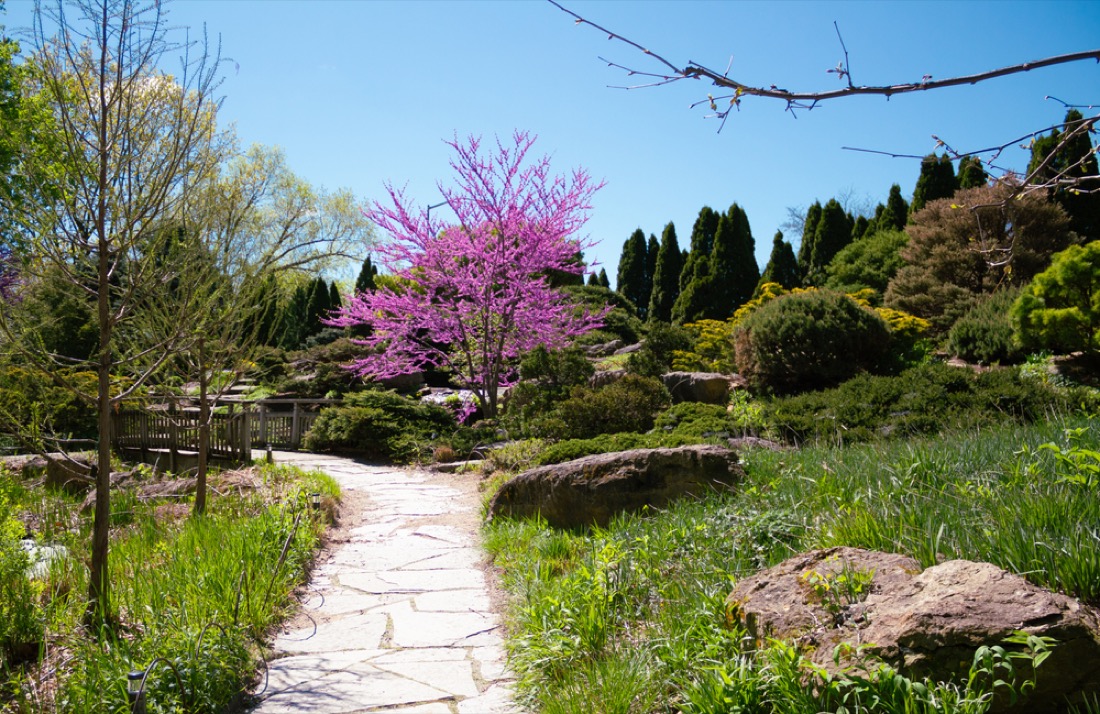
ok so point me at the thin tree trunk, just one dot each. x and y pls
(204, 433)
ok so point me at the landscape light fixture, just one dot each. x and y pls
(134, 683)
(315, 500)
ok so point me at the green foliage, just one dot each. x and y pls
(33, 402)
(704, 421)
(895, 214)
(621, 323)
(782, 267)
(365, 280)
(985, 333)
(1060, 309)
(810, 340)
(923, 400)
(380, 425)
(547, 378)
(869, 262)
(629, 404)
(570, 449)
(806, 247)
(1062, 158)
(318, 371)
(712, 348)
(632, 280)
(21, 617)
(936, 181)
(832, 233)
(971, 172)
(659, 349)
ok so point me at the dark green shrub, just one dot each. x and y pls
(320, 370)
(924, 400)
(547, 377)
(621, 323)
(380, 425)
(609, 443)
(29, 399)
(985, 333)
(662, 340)
(810, 340)
(696, 419)
(629, 404)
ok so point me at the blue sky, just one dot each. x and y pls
(359, 93)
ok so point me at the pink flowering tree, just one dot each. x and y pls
(470, 291)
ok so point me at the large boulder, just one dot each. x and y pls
(923, 623)
(591, 490)
(706, 387)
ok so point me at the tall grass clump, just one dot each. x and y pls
(195, 598)
(632, 618)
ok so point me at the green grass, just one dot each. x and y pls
(632, 618)
(194, 597)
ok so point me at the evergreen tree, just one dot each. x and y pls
(895, 214)
(604, 282)
(832, 234)
(631, 279)
(971, 173)
(317, 307)
(334, 301)
(733, 263)
(806, 249)
(365, 281)
(1073, 159)
(666, 276)
(936, 180)
(702, 245)
(293, 321)
(651, 250)
(593, 279)
(861, 228)
(782, 265)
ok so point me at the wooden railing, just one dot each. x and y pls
(236, 428)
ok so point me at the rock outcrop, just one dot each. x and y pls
(591, 490)
(923, 623)
(706, 387)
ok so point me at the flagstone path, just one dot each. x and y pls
(399, 617)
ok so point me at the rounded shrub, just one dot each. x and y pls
(984, 334)
(628, 405)
(1060, 309)
(808, 341)
(380, 425)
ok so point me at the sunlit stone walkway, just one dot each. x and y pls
(399, 617)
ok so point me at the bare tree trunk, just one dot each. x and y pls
(204, 432)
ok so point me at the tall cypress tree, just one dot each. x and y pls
(593, 279)
(293, 327)
(809, 231)
(631, 279)
(895, 213)
(782, 266)
(604, 282)
(652, 248)
(666, 276)
(971, 173)
(733, 264)
(833, 233)
(702, 245)
(936, 180)
(365, 281)
(334, 301)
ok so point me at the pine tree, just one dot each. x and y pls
(652, 248)
(365, 281)
(895, 214)
(936, 180)
(293, 321)
(861, 228)
(782, 265)
(1074, 160)
(832, 234)
(604, 282)
(593, 279)
(806, 248)
(666, 276)
(631, 279)
(334, 301)
(317, 307)
(971, 173)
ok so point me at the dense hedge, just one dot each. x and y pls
(628, 405)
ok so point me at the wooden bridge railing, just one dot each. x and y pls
(235, 428)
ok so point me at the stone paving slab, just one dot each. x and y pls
(398, 618)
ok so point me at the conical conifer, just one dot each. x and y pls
(936, 180)
(782, 266)
(666, 276)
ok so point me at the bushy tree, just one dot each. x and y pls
(1060, 309)
(472, 295)
(809, 340)
(666, 276)
(985, 333)
(782, 267)
(962, 247)
(869, 262)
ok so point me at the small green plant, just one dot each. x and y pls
(837, 589)
(1075, 464)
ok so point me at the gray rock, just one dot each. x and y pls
(706, 387)
(925, 624)
(591, 490)
(73, 475)
(603, 349)
(604, 377)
